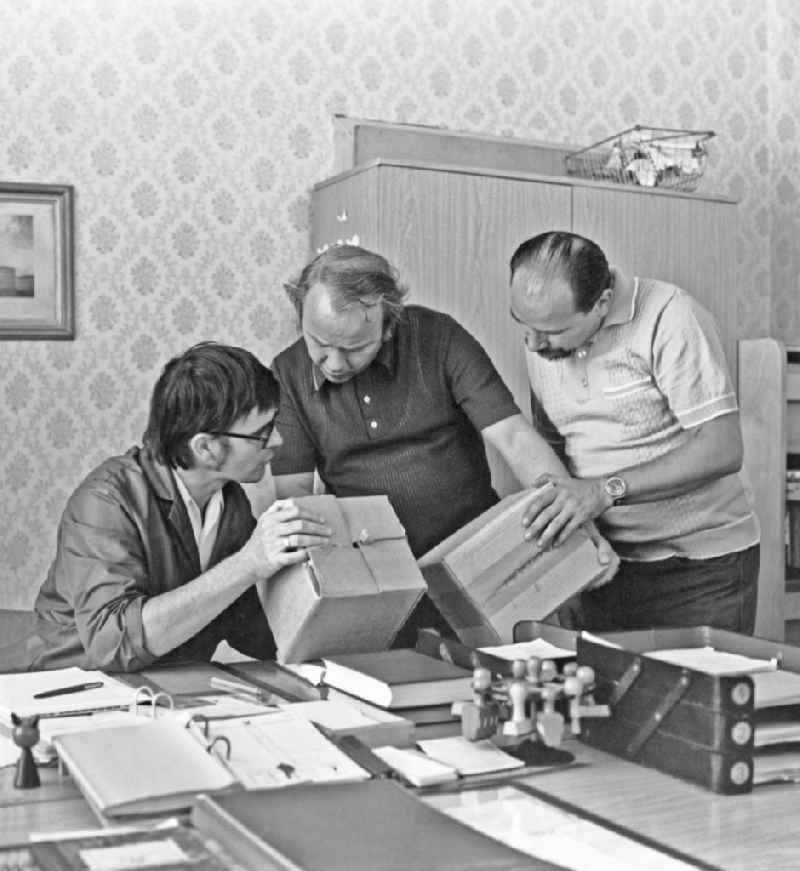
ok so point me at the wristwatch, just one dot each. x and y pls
(616, 488)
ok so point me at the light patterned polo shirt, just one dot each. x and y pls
(655, 370)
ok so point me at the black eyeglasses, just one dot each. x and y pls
(264, 436)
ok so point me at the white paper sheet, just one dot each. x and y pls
(17, 692)
(469, 757)
(131, 857)
(712, 661)
(281, 749)
(416, 767)
(526, 649)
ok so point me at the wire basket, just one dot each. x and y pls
(645, 156)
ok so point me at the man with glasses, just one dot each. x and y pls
(158, 550)
(630, 385)
(379, 397)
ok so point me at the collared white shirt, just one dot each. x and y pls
(205, 527)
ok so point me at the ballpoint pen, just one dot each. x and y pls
(62, 691)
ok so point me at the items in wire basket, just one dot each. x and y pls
(645, 156)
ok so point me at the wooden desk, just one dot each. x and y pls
(756, 831)
(57, 805)
(752, 832)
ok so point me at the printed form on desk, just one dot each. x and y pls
(282, 749)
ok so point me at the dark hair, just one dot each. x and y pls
(205, 389)
(355, 275)
(578, 260)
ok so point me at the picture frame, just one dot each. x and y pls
(36, 261)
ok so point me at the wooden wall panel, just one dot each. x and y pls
(685, 240)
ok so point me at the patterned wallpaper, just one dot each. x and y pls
(193, 129)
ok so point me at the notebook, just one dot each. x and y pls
(373, 826)
(219, 707)
(415, 767)
(149, 767)
(399, 678)
(157, 766)
(417, 715)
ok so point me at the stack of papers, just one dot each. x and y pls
(712, 661)
(417, 768)
(538, 647)
(776, 688)
(469, 757)
(18, 693)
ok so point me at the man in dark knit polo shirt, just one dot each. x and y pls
(382, 398)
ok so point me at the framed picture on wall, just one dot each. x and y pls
(36, 261)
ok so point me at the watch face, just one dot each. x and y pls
(615, 487)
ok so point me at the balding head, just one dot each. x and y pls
(545, 264)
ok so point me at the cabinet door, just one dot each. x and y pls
(684, 240)
(451, 234)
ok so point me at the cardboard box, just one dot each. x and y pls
(352, 595)
(486, 577)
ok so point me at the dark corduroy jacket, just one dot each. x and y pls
(125, 536)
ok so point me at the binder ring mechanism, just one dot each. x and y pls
(219, 739)
(217, 742)
(147, 696)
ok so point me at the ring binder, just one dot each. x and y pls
(220, 739)
(154, 698)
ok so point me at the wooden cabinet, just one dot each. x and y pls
(769, 402)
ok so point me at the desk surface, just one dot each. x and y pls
(757, 831)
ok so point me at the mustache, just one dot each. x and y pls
(553, 353)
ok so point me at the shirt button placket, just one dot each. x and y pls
(582, 372)
(373, 423)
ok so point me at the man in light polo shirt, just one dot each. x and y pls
(629, 384)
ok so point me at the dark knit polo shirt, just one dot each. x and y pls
(408, 426)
